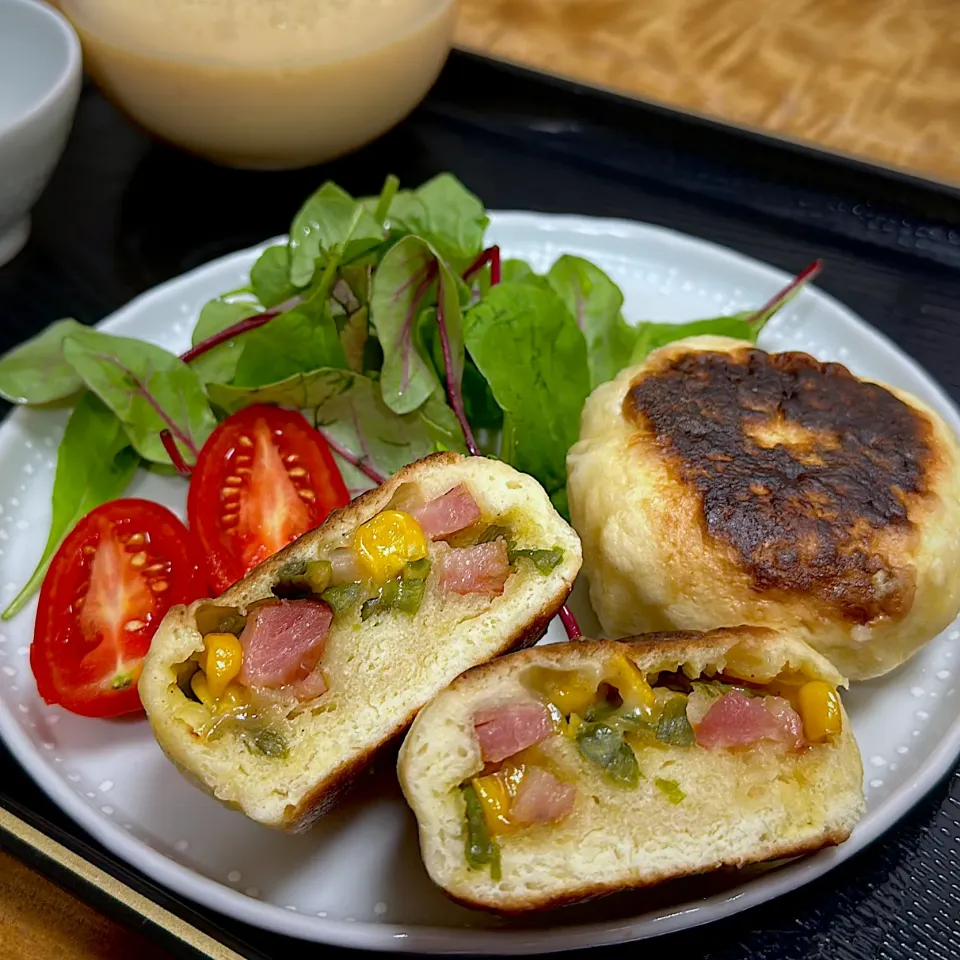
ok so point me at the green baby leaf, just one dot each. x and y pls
(220, 364)
(531, 353)
(95, 463)
(651, 336)
(37, 371)
(299, 341)
(330, 218)
(304, 391)
(595, 302)
(401, 287)
(519, 271)
(445, 214)
(359, 420)
(270, 276)
(147, 388)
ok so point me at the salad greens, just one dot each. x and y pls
(95, 463)
(388, 321)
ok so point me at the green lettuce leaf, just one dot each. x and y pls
(447, 215)
(147, 388)
(304, 391)
(330, 218)
(650, 336)
(95, 463)
(360, 421)
(596, 303)
(37, 371)
(220, 364)
(531, 353)
(299, 341)
(270, 276)
(400, 293)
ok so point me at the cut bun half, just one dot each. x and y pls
(689, 809)
(378, 669)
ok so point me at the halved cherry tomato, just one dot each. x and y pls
(114, 577)
(264, 477)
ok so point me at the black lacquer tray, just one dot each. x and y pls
(124, 213)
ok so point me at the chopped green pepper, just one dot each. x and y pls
(417, 569)
(606, 747)
(344, 596)
(674, 727)
(543, 560)
(396, 594)
(494, 532)
(266, 741)
(481, 848)
(670, 789)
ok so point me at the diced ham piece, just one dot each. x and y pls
(736, 720)
(511, 727)
(454, 511)
(310, 687)
(541, 798)
(283, 642)
(482, 568)
(791, 726)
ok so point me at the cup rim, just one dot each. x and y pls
(71, 67)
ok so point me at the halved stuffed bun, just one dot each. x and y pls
(273, 696)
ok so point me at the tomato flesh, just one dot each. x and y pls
(264, 477)
(108, 587)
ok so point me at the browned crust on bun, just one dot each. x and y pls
(801, 469)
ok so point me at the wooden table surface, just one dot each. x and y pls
(878, 79)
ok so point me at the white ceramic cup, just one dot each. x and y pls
(40, 75)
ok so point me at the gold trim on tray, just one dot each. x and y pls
(115, 888)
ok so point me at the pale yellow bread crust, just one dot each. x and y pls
(652, 564)
(741, 807)
(403, 664)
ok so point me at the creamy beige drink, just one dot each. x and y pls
(265, 83)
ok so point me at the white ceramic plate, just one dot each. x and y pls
(356, 878)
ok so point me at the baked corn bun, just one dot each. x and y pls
(573, 770)
(716, 484)
(275, 695)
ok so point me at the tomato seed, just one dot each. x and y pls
(298, 472)
(230, 518)
(132, 626)
(136, 539)
(155, 568)
(233, 481)
(244, 440)
(89, 551)
(307, 495)
(139, 559)
(291, 458)
(158, 586)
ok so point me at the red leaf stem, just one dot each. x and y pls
(570, 624)
(243, 326)
(360, 463)
(453, 391)
(804, 276)
(176, 457)
(489, 256)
